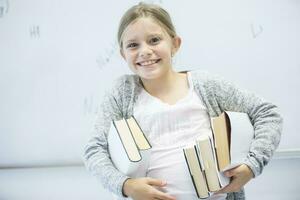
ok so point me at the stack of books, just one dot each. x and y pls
(225, 149)
(206, 160)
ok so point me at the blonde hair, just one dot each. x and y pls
(157, 13)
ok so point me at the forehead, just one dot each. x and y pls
(142, 27)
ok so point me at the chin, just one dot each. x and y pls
(150, 74)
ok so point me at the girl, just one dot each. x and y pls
(173, 109)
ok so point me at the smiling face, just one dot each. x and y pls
(148, 48)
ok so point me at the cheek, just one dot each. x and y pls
(166, 54)
(130, 60)
(166, 51)
(130, 57)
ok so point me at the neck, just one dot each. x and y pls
(164, 84)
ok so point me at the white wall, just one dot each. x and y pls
(57, 58)
(278, 181)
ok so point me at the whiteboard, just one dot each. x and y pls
(58, 57)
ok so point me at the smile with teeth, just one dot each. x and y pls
(148, 62)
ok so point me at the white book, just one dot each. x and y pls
(241, 136)
(128, 147)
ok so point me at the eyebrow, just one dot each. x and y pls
(150, 35)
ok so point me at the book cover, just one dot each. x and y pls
(221, 137)
(241, 136)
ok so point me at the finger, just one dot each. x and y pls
(234, 186)
(223, 190)
(164, 196)
(156, 182)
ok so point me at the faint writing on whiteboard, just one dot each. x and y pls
(34, 32)
(256, 30)
(106, 57)
(3, 7)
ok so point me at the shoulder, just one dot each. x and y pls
(207, 79)
(129, 79)
(124, 90)
(123, 83)
(214, 84)
(118, 97)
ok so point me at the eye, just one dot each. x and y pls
(131, 45)
(154, 40)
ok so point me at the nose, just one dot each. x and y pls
(145, 51)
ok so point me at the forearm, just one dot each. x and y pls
(96, 155)
(97, 161)
(267, 124)
(267, 133)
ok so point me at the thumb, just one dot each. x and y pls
(156, 182)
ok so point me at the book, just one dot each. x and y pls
(196, 172)
(226, 148)
(221, 135)
(241, 137)
(208, 162)
(202, 166)
(233, 133)
(128, 147)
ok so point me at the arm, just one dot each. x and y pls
(264, 116)
(267, 124)
(96, 155)
(98, 161)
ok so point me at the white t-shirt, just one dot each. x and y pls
(170, 128)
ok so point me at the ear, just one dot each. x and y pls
(176, 44)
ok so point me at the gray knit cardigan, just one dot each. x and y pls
(217, 94)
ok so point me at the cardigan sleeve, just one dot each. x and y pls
(96, 156)
(264, 117)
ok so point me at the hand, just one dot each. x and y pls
(240, 176)
(144, 189)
